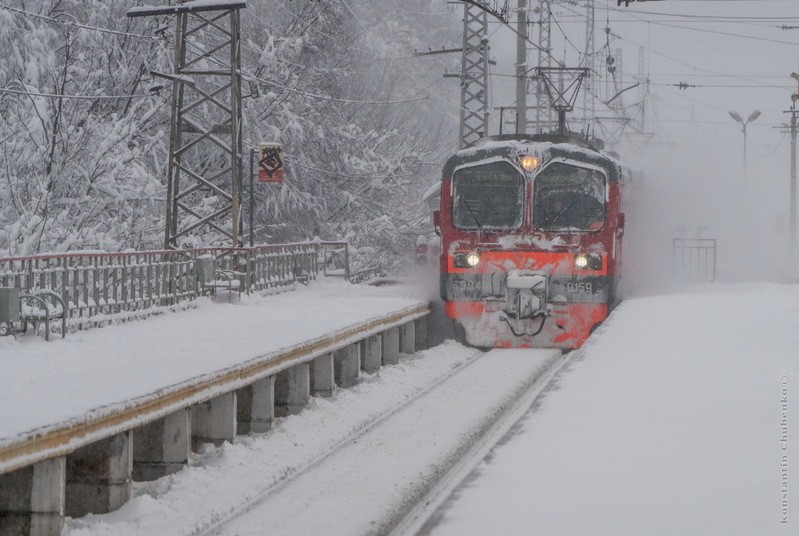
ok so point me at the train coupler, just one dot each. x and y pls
(526, 295)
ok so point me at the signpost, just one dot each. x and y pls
(270, 169)
(270, 162)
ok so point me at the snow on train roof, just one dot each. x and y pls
(575, 145)
(541, 144)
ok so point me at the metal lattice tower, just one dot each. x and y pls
(543, 113)
(589, 109)
(643, 89)
(205, 150)
(474, 76)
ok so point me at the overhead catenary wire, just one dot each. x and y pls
(75, 23)
(87, 97)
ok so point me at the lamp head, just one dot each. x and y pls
(737, 117)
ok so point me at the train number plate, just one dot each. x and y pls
(580, 287)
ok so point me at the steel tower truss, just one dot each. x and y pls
(589, 110)
(205, 165)
(474, 76)
(544, 119)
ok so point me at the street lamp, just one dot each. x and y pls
(751, 118)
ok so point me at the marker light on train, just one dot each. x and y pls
(529, 162)
(588, 262)
(466, 260)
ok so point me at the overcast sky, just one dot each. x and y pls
(734, 51)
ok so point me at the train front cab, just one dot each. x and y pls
(530, 257)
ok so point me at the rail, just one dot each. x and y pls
(98, 287)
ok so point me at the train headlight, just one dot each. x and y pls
(466, 260)
(589, 261)
(529, 162)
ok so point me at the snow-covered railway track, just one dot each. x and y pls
(384, 476)
(358, 463)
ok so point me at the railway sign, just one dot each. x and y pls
(270, 162)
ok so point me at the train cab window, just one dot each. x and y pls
(569, 198)
(490, 196)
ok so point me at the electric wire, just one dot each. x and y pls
(75, 24)
(59, 96)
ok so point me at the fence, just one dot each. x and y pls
(99, 287)
(694, 259)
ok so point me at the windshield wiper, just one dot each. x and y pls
(561, 213)
(474, 216)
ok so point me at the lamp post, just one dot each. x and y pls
(751, 118)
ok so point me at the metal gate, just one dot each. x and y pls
(694, 259)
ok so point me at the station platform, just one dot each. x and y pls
(49, 383)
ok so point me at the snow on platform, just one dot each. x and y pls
(47, 383)
(679, 417)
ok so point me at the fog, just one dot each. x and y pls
(696, 190)
(734, 56)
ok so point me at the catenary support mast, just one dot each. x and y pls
(204, 184)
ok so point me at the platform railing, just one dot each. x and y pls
(98, 287)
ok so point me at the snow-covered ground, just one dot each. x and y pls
(675, 418)
(678, 417)
(48, 383)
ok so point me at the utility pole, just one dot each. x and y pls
(204, 187)
(521, 69)
(792, 248)
(792, 130)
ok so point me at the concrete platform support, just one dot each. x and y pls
(391, 346)
(292, 390)
(347, 365)
(420, 330)
(255, 406)
(32, 499)
(161, 447)
(98, 476)
(322, 376)
(371, 353)
(214, 421)
(408, 338)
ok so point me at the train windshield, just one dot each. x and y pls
(490, 196)
(569, 198)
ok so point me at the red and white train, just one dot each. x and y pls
(531, 237)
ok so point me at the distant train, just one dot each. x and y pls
(531, 237)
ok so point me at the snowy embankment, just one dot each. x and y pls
(353, 464)
(678, 417)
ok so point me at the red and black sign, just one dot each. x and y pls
(270, 162)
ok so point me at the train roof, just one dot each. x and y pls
(546, 145)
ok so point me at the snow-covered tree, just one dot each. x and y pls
(365, 125)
